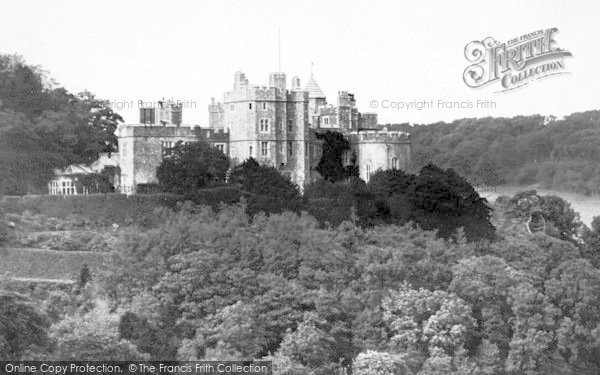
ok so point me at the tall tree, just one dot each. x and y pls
(330, 166)
(265, 189)
(44, 127)
(189, 167)
(443, 200)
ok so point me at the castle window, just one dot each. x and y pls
(220, 147)
(290, 149)
(231, 107)
(326, 120)
(264, 106)
(290, 126)
(124, 150)
(264, 148)
(368, 171)
(249, 105)
(166, 147)
(394, 163)
(264, 125)
(147, 115)
(251, 152)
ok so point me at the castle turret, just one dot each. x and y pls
(278, 81)
(170, 112)
(347, 111)
(162, 113)
(380, 149)
(240, 81)
(313, 89)
(368, 120)
(296, 84)
(316, 99)
(215, 114)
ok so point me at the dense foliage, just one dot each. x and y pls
(197, 283)
(561, 220)
(265, 188)
(434, 199)
(23, 327)
(560, 154)
(92, 183)
(191, 166)
(331, 166)
(43, 126)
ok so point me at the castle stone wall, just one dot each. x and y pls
(380, 150)
(143, 150)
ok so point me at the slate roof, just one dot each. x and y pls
(314, 91)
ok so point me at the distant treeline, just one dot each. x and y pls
(558, 154)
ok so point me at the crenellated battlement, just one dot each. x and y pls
(252, 93)
(142, 130)
(183, 131)
(263, 93)
(380, 136)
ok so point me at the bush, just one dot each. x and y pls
(69, 241)
(215, 196)
(68, 212)
(334, 203)
(265, 189)
(189, 167)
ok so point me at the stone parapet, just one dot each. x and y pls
(379, 136)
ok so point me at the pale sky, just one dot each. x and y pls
(126, 51)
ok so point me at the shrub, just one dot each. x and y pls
(97, 209)
(265, 189)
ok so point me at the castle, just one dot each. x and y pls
(276, 126)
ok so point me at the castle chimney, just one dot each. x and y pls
(277, 80)
(296, 84)
(240, 81)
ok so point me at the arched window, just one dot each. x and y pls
(394, 163)
(368, 171)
